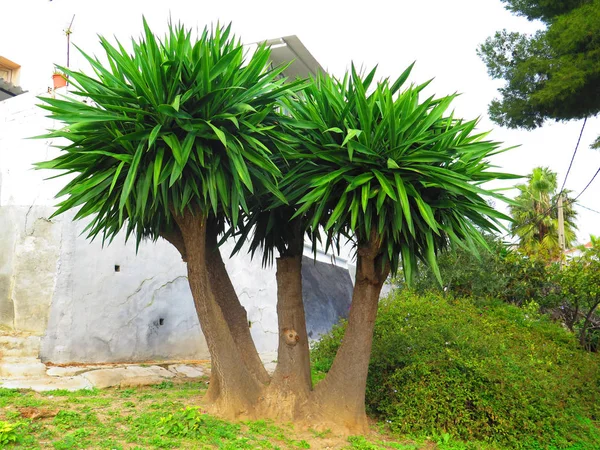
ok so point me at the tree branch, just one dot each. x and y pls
(176, 239)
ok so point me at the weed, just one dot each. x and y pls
(126, 393)
(320, 434)
(165, 385)
(9, 432)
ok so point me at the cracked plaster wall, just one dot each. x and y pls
(63, 290)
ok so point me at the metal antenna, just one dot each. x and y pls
(68, 33)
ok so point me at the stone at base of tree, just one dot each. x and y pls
(104, 378)
(187, 371)
(129, 376)
(69, 371)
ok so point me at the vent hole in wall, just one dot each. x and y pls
(161, 321)
(117, 268)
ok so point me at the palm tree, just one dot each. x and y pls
(535, 215)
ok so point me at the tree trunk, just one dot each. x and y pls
(291, 383)
(176, 239)
(234, 390)
(238, 387)
(586, 324)
(235, 314)
(340, 398)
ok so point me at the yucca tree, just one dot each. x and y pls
(393, 174)
(535, 215)
(171, 139)
(183, 139)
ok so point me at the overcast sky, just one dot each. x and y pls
(441, 36)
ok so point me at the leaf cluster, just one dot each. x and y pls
(377, 161)
(174, 124)
(198, 125)
(552, 74)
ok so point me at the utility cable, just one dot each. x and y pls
(568, 201)
(589, 209)
(573, 157)
(587, 185)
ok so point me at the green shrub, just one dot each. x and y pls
(9, 433)
(500, 273)
(481, 370)
(578, 294)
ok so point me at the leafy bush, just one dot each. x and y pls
(9, 433)
(500, 272)
(479, 370)
(578, 293)
(571, 293)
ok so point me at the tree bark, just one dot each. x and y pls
(340, 397)
(238, 387)
(291, 383)
(586, 324)
(176, 239)
(235, 314)
(234, 389)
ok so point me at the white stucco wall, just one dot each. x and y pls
(61, 292)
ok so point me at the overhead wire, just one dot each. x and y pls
(568, 201)
(573, 157)
(589, 209)
(588, 185)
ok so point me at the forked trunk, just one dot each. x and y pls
(234, 313)
(339, 400)
(238, 381)
(291, 383)
(234, 389)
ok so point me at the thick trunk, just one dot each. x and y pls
(234, 390)
(340, 397)
(291, 383)
(238, 382)
(233, 311)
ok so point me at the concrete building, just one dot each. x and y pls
(65, 299)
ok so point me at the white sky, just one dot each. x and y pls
(441, 36)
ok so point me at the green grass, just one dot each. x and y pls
(165, 416)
